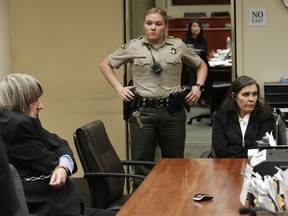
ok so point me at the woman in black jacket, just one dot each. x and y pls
(243, 119)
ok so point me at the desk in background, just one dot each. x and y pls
(221, 66)
(216, 37)
(170, 186)
(276, 94)
(214, 22)
(216, 34)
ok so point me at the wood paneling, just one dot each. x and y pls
(216, 34)
(214, 22)
(199, 2)
(216, 37)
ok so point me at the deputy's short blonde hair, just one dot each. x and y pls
(157, 10)
(18, 91)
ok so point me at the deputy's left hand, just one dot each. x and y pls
(193, 96)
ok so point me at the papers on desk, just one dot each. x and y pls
(217, 62)
(221, 58)
(270, 192)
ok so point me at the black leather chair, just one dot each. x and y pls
(208, 154)
(189, 78)
(195, 14)
(23, 209)
(102, 167)
(221, 13)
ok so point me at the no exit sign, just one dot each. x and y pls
(257, 16)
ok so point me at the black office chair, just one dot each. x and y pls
(218, 95)
(195, 14)
(23, 209)
(188, 78)
(102, 167)
(208, 154)
(221, 13)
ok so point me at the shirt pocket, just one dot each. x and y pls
(174, 65)
(142, 67)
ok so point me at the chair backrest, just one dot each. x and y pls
(205, 25)
(221, 13)
(195, 14)
(280, 130)
(23, 209)
(97, 154)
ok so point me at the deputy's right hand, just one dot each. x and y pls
(126, 93)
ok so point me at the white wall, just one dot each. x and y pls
(262, 50)
(5, 43)
(62, 42)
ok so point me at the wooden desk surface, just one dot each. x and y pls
(169, 188)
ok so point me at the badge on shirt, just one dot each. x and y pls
(173, 51)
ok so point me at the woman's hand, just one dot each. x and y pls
(58, 177)
(126, 93)
(193, 96)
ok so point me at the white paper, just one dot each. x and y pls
(246, 183)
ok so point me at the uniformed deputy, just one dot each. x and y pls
(156, 62)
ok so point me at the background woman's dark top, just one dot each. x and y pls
(200, 46)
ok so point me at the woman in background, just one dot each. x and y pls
(195, 38)
(243, 119)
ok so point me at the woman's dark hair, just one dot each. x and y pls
(188, 34)
(230, 105)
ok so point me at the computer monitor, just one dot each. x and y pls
(281, 131)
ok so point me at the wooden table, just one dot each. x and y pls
(169, 188)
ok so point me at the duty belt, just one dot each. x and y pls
(158, 103)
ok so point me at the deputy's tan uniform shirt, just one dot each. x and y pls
(171, 54)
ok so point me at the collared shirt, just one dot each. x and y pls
(170, 54)
(243, 125)
(67, 161)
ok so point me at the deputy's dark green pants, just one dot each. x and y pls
(160, 127)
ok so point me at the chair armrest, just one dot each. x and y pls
(206, 154)
(133, 162)
(95, 175)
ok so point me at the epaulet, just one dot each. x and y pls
(186, 44)
(124, 46)
(169, 36)
(173, 40)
